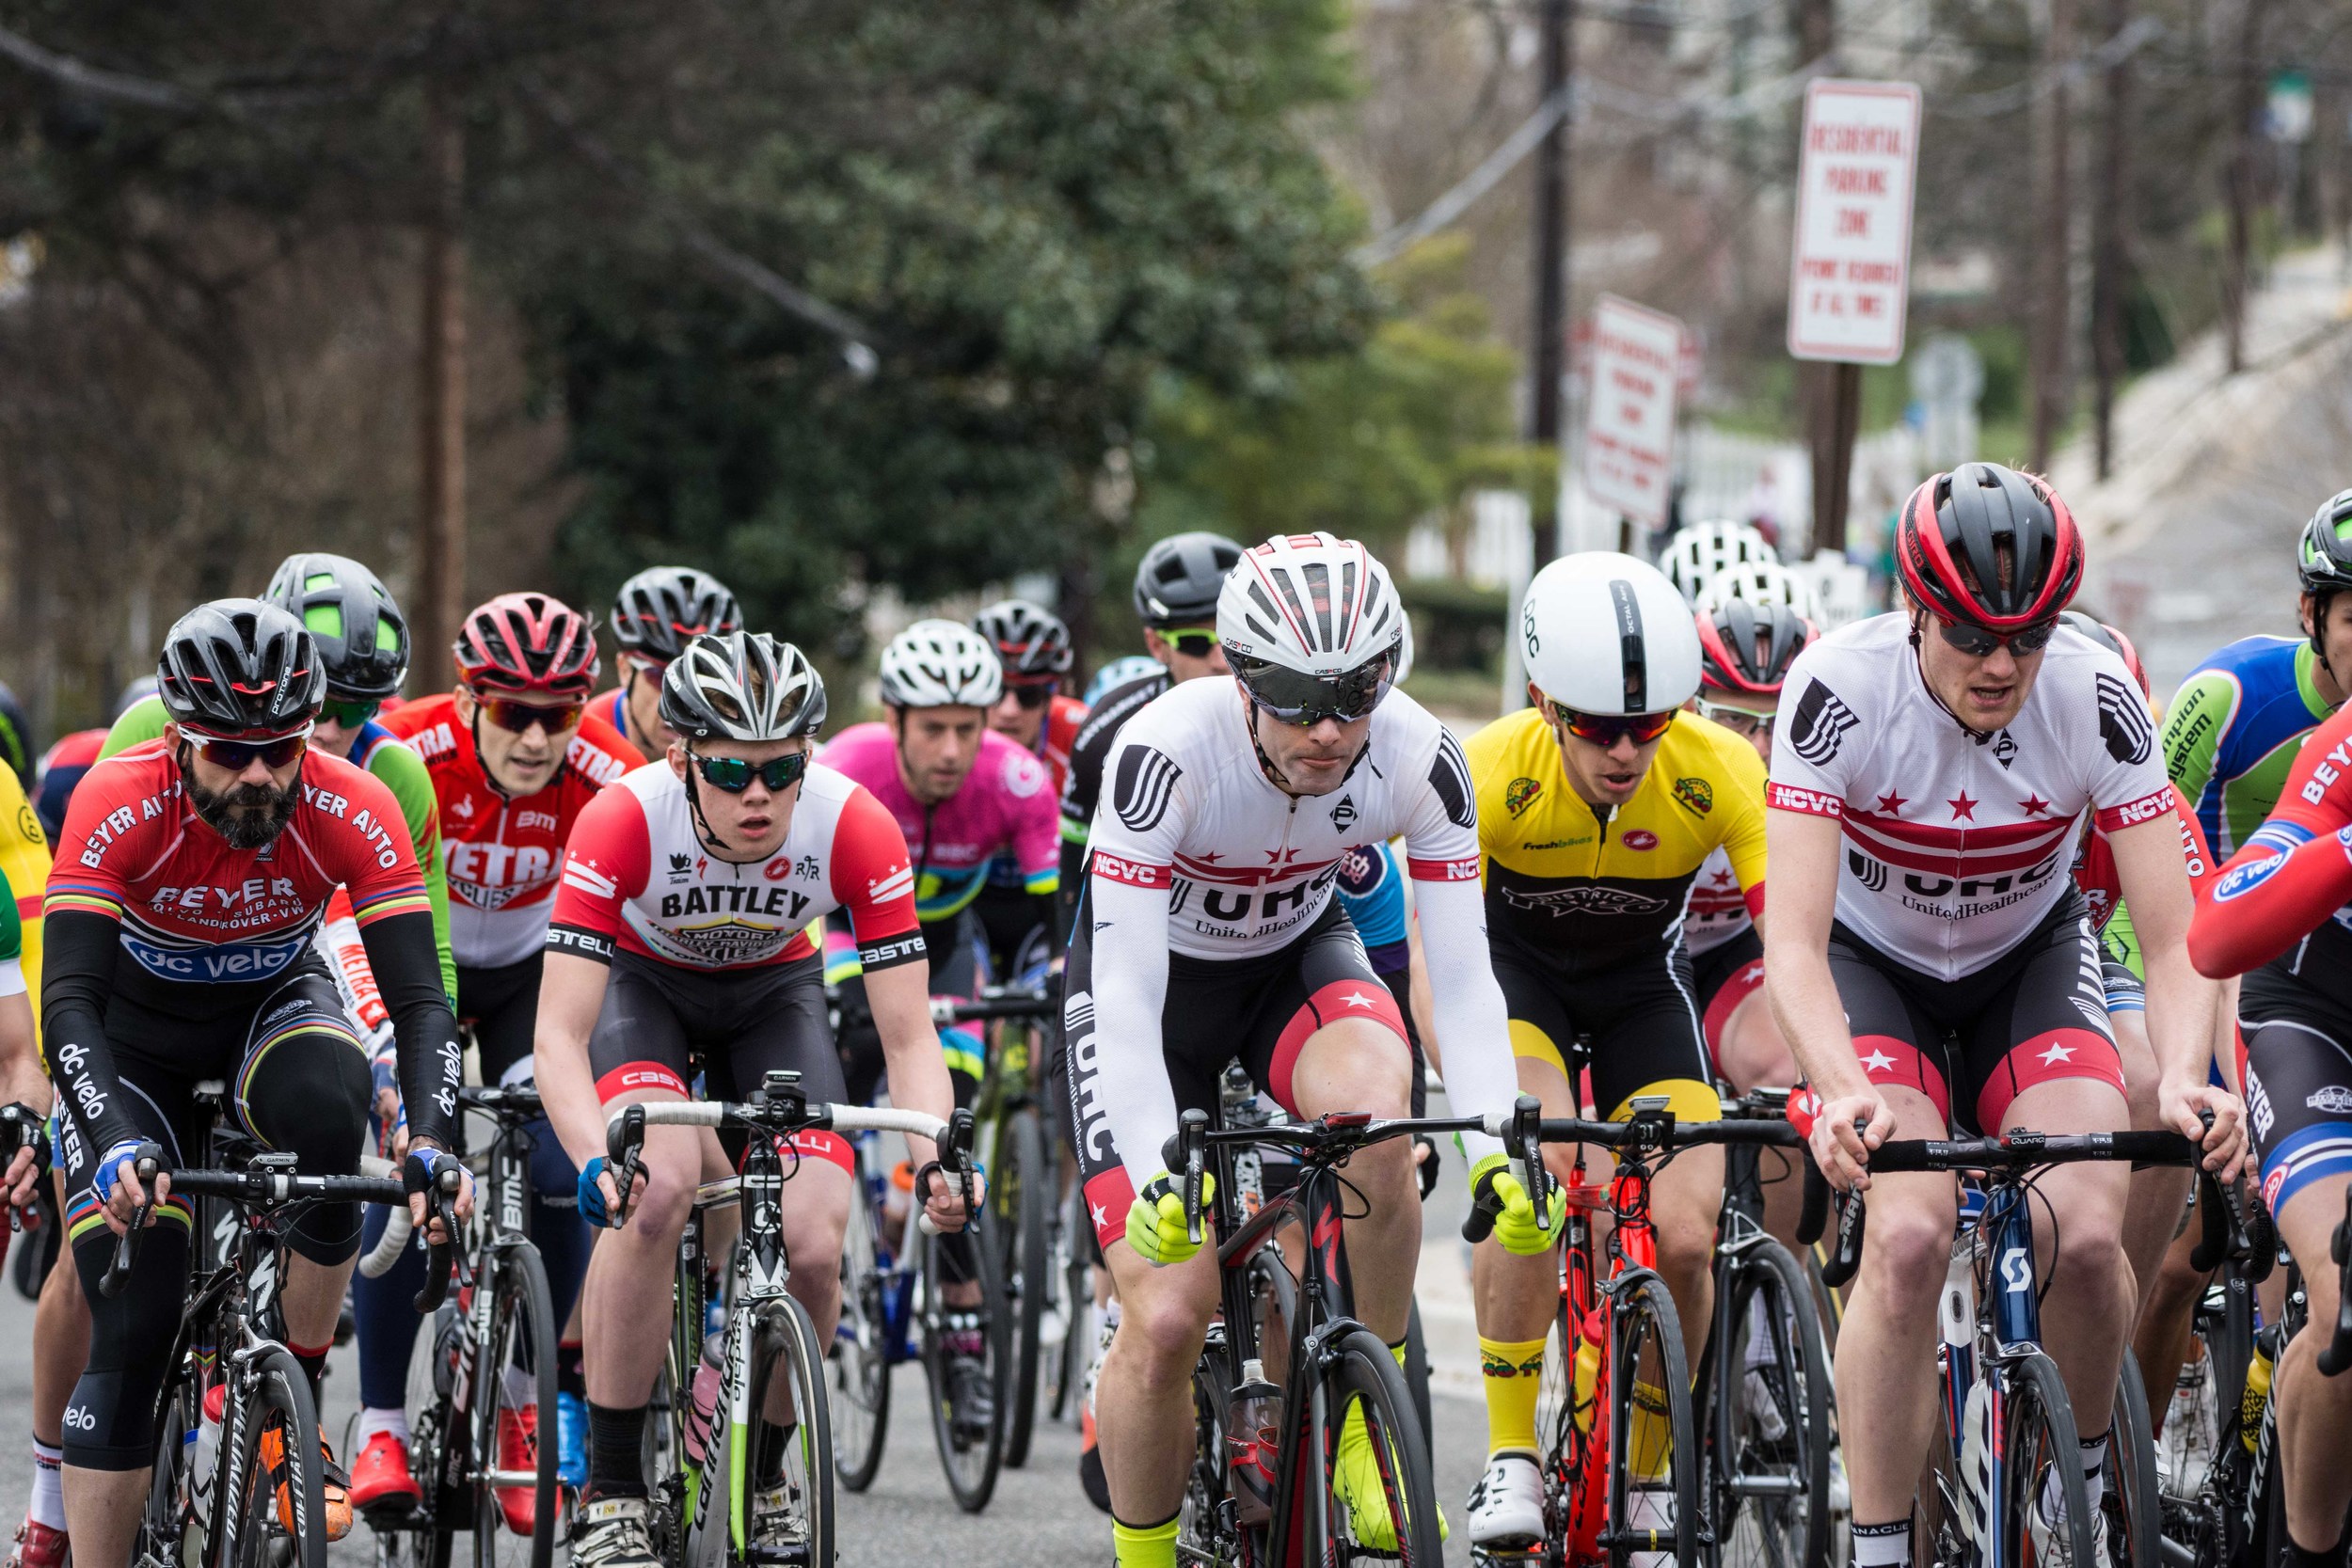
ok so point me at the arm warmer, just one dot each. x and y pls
(407, 966)
(1130, 973)
(76, 979)
(2267, 899)
(1466, 1005)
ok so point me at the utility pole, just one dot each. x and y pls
(441, 406)
(1830, 393)
(2110, 245)
(2048, 361)
(2245, 101)
(1557, 54)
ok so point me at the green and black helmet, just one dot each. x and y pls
(362, 638)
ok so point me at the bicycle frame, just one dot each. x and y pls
(1983, 1332)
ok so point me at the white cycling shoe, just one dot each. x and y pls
(1506, 1507)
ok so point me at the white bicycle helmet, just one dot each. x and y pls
(1698, 554)
(1608, 634)
(1312, 603)
(742, 686)
(939, 663)
(1759, 583)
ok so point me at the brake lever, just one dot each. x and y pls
(1196, 1140)
(148, 1160)
(1526, 1154)
(622, 1149)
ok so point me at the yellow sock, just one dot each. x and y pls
(1145, 1545)
(1652, 1444)
(1514, 1376)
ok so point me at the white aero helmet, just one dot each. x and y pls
(1303, 611)
(940, 663)
(1698, 554)
(1608, 634)
(1759, 583)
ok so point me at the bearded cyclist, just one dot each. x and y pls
(1929, 957)
(180, 948)
(1033, 647)
(1208, 931)
(515, 756)
(654, 616)
(681, 945)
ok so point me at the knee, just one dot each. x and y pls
(1163, 1330)
(1686, 1243)
(2088, 1258)
(1907, 1251)
(310, 1096)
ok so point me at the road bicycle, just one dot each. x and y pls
(744, 1463)
(235, 1405)
(483, 1378)
(2006, 1484)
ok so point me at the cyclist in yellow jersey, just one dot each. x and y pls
(25, 861)
(1596, 808)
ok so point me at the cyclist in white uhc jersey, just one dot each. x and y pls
(1209, 931)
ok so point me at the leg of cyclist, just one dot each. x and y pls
(1143, 1411)
(2159, 1195)
(60, 1346)
(2314, 1410)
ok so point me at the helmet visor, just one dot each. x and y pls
(1297, 698)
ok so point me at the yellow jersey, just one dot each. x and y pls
(1581, 892)
(25, 861)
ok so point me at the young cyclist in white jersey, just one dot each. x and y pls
(1929, 958)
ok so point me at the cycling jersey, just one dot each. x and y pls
(2233, 729)
(1586, 891)
(1004, 803)
(2282, 897)
(639, 879)
(1958, 844)
(1717, 908)
(25, 861)
(374, 749)
(1372, 891)
(1082, 787)
(504, 856)
(61, 768)
(1194, 853)
(12, 942)
(1055, 738)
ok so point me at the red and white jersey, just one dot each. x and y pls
(1189, 810)
(1057, 736)
(1958, 844)
(1717, 910)
(638, 875)
(504, 856)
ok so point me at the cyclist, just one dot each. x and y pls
(1118, 673)
(1929, 957)
(680, 944)
(69, 756)
(179, 932)
(654, 615)
(17, 751)
(24, 866)
(1597, 808)
(1208, 931)
(1699, 554)
(1033, 646)
(515, 756)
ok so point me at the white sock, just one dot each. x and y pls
(1886, 1545)
(2094, 1452)
(1760, 1352)
(48, 1488)
(372, 1420)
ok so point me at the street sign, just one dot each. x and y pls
(1630, 426)
(1848, 280)
(1948, 378)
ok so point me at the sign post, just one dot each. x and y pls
(1637, 359)
(1850, 273)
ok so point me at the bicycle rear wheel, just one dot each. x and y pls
(1065, 1353)
(158, 1537)
(1655, 1458)
(1361, 1385)
(514, 1435)
(2131, 1500)
(967, 1390)
(781, 1465)
(861, 1348)
(1020, 1192)
(1769, 1417)
(280, 1423)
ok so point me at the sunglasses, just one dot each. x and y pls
(1976, 642)
(1192, 645)
(511, 714)
(1291, 697)
(351, 714)
(1606, 729)
(238, 755)
(1739, 721)
(735, 774)
(1031, 696)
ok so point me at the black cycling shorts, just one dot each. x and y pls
(957, 950)
(1725, 975)
(2299, 1081)
(1641, 1021)
(661, 1024)
(297, 1078)
(2035, 1015)
(1016, 939)
(501, 1006)
(1260, 1010)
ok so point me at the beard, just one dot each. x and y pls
(249, 817)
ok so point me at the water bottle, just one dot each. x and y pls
(1253, 1436)
(706, 1397)
(2256, 1397)
(207, 1452)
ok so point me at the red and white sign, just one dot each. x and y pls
(1629, 432)
(1848, 282)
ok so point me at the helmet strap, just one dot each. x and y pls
(480, 759)
(711, 841)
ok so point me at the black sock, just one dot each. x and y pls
(313, 1366)
(616, 1465)
(2301, 1557)
(571, 1376)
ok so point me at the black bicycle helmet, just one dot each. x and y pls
(661, 607)
(1730, 635)
(240, 669)
(361, 636)
(742, 686)
(1032, 640)
(1178, 581)
(2324, 563)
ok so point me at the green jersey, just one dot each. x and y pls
(2232, 732)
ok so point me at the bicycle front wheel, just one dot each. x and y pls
(1769, 1418)
(1020, 1192)
(780, 1463)
(513, 1438)
(967, 1347)
(2040, 1458)
(280, 1454)
(860, 1352)
(2132, 1502)
(1374, 1498)
(1654, 1468)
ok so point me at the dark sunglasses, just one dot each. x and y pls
(1606, 729)
(1976, 642)
(349, 715)
(1295, 698)
(238, 755)
(1033, 696)
(1192, 645)
(735, 774)
(509, 713)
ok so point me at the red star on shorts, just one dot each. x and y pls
(1891, 803)
(1963, 807)
(2034, 804)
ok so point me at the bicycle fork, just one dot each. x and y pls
(1995, 1232)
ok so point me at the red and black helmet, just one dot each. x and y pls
(528, 642)
(1745, 649)
(2113, 640)
(1959, 530)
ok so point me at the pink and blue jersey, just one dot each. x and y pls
(1007, 803)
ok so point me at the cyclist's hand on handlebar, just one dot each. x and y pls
(117, 1181)
(1515, 1216)
(943, 1195)
(1840, 1148)
(418, 1173)
(599, 1192)
(1155, 1221)
(2178, 1105)
(22, 1180)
